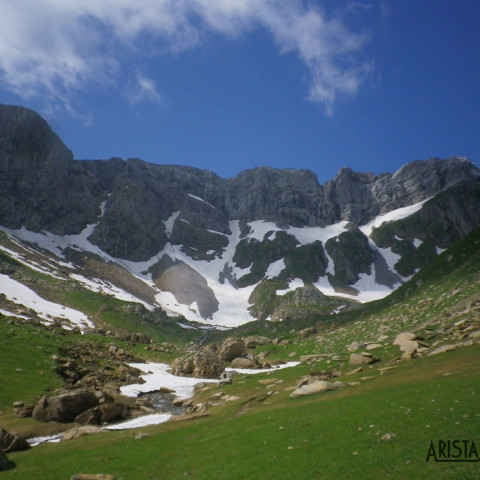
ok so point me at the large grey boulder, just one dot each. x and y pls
(12, 442)
(315, 387)
(64, 408)
(243, 363)
(362, 358)
(232, 348)
(204, 364)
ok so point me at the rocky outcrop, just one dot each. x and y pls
(203, 364)
(231, 348)
(351, 254)
(105, 413)
(12, 442)
(42, 187)
(64, 408)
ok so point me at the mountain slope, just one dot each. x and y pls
(266, 244)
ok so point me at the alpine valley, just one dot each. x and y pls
(266, 244)
(108, 263)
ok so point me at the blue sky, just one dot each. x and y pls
(228, 85)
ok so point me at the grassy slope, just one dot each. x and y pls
(332, 435)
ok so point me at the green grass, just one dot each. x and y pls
(332, 435)
(25, 363)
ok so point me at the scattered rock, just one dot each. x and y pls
(307, 332)
(314, 387)
(81, 432)
(268, 381)
(243, 363)
(353, 347)
(362, 359)
(373, 346)
(408, 346)
(353, 372)
(388, 436)
(12, 442)
(308, 358)
(444, 348)
(226, 378)
(256, 340)
(404, 337)
(25, 411)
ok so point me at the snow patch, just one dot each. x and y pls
(157, 376)
(145, 421)
(251, 371)
(200, 200)
(393, 216)
(293, 285)
(48, 311)
(275, 268)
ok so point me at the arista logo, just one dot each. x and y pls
(453, 451)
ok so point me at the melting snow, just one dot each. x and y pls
(145, 421)
(200, 200)
(293, 285)
(157, 376)
(391, 217)
(22, 295)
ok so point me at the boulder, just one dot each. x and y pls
(409, 346)
(81, 432)
(5, 464)
(311, 388)
(443, 349)
(404, 337)
(204, 364)
(256, 340)
(64, 408)
(353, 347)
(105, 413)
(306, 332)
(231, 348)
(318, 356)
(362, 359)
(23, 411)
(12, 442)
(243, 363)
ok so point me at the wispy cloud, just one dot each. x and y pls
(51, 48)
(144, 89)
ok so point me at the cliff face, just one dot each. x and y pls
(42, 187)
(264, 225)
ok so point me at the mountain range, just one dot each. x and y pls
(265, 244)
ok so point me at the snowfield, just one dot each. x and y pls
(48, 311)
(219, 273)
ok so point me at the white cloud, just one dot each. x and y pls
(144, 90)
(55, 47)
